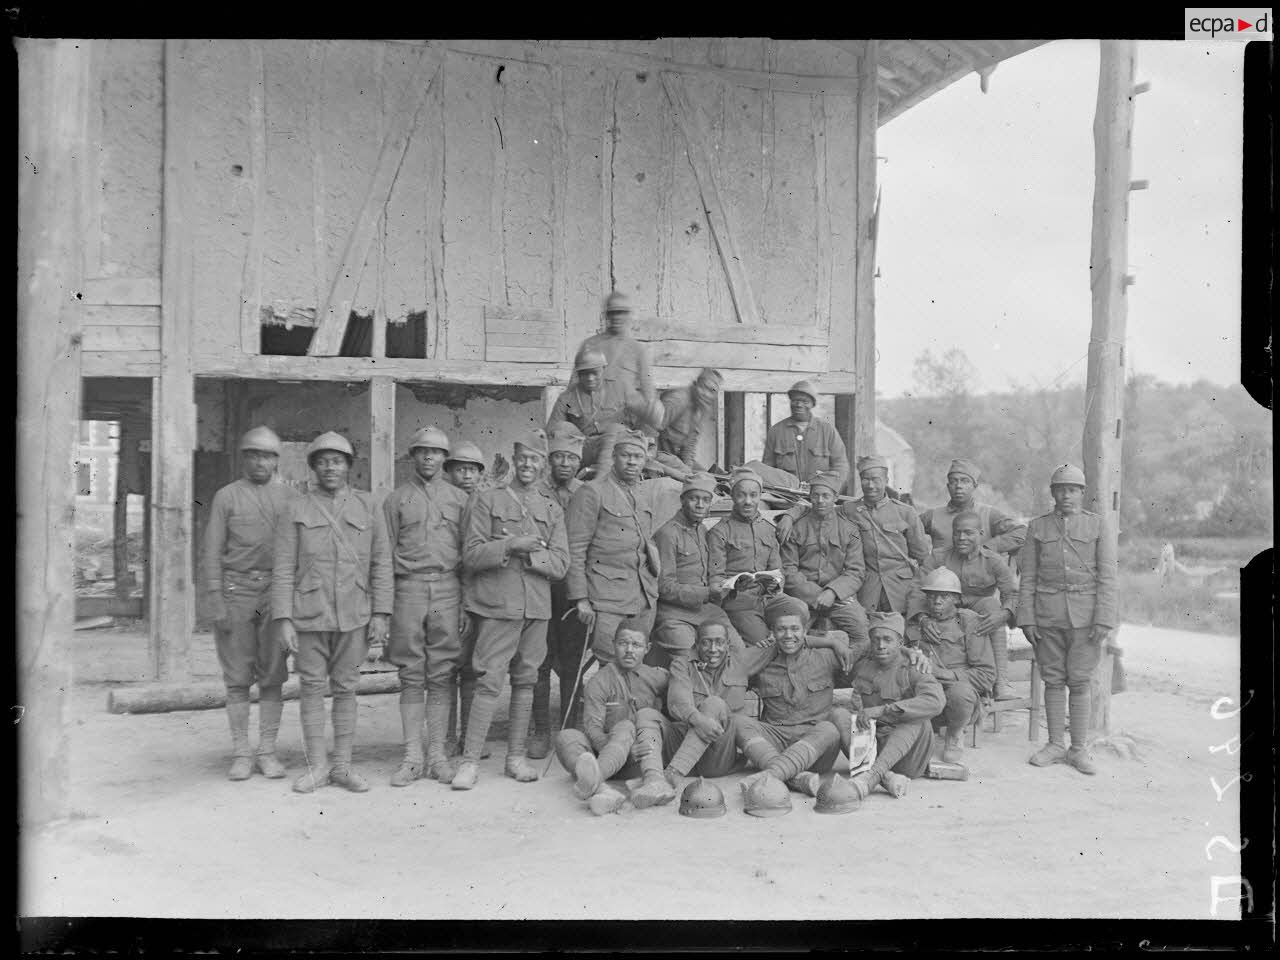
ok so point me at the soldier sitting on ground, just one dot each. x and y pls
(960, 653)
(902, 700)
(987, 587)
(619, 698)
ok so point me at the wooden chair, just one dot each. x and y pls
(996, 707)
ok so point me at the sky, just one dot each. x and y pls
(986, 208)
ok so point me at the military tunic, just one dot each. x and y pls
(796, 696)
(891, 533)
(827, 554)
(565, 635)
(628, 363)
(904, 734)
(806, 448)
(1002, 533)
(681, 426)
(963, 663)
(987, 585)
(719, 694)
(734, 546)
(237, 559)
(684, 594)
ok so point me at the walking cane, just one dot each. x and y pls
(577, 679)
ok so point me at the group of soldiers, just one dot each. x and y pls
(463, 582)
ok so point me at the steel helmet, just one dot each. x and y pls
(467, 452)
(805, 387)
(766, 796)
(702, 801)
(836, 795)
(1067, 473)
(263, 439)
(589, 360)
(330, 441)
(941, 580)
(431, 437)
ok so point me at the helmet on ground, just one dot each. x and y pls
(589, 360)
(941, 580)
(702, 801)
(262, 439)
(836, 795)
(1067, 473)
(430, 437)
(467, 452)
(806, 388)
(767, 796)
(330, 441)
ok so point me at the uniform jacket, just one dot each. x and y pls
(889, 530)
(1068, 569)
(985, 574)
(1003, 533)
(610, 526)
(962, 653)
(736, 546)
(561, 495)
(424, 525)
(628, 362)
(681, 425)
(592, 412)
(823, 555)
(501, 585)
(799, 689)
(612, 695)
(905, 692)
(240, 537)
(692, 681)
(326, 578)
(682, 550)
(821, 450)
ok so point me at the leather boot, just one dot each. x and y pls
(1079, 756)
(690, 751)
(517, 767)
(655, 790)
(269, 712)
(479, 716)
(439, 766)
(539, 743)
(242, 754)
(412, 714)
(344, 734)
(1000, 650)
(467, 694)
(455, 733)
(311, 711)
(1055, 716)
(605, 801)
(953, 747)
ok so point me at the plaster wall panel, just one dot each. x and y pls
(586, 126)
(788, 288)
(527, 191)
(400, 251)
(638, 203)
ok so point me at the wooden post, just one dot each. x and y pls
(53, 97)
(382, 436)
(735, 429)
(172, 599)
(1108, 265)
(864, 316)
(845, 416)
(120, 514)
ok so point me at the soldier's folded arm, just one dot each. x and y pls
(852, 574)
(382, 581)
(215, 541)
(926, 701)
(552, 561)
(1029, 561)
(284, 566)
(480, 549)
(680, 701)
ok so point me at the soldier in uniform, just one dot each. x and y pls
(628, 364)
(613, 572)
(987, 587)
(424, 524)
(566, 634)
(620, 697)
(238, 547)
(597, 407)
(514, 546)
(823, 561)
(802, 444)
(686, 410)
(1002, 532)
(331, 596)
(960, 654)
(687, 598)
(902, 699)
(893, 542)
(465, 467)
(743, 542)
(1067, 609)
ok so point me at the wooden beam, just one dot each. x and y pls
(689, 119)
(864, 291)
(120, 574)
(654, 330)
(844, 419)
(122, 291)
(251, 279)
(1108, 265)
(53, 97)
(336, 310)
(172, 598)
(382, 435)
(735, 424)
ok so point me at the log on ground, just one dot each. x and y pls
(166, 697)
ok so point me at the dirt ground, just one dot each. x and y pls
(159, 831)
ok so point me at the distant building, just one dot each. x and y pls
(891, 445)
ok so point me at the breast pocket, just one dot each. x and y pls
(610, 583)
(818, 684)
(504, 521)
(768, 686)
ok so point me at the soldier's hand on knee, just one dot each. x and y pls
(826, 600)
(287, 635)
(708, 728)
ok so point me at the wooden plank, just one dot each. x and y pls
(653, 329)
(121, 316)
(547, 354)
(251, 281)
(134, 363)
(497, 312)
(700, 156)
(734, 429)
(864, 313)
(52, 111)
(738, 356)
(109, 607)
(122, 291)
(120, 574)
(172, 600)
(549, 340)
(822, 295)
(499, 326)
(346, 278)
(382, 435)
(1102, 441)
(116, 339)
(497, 195)
(212, 695)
